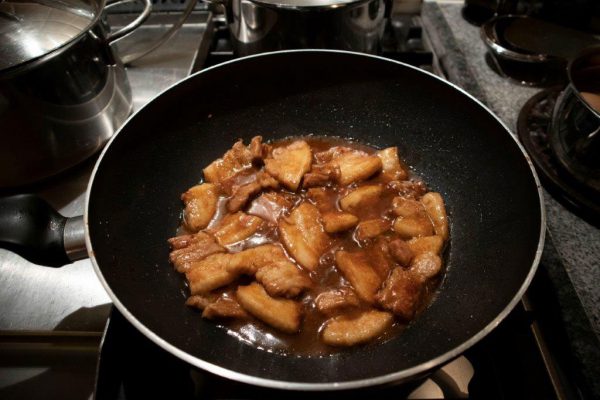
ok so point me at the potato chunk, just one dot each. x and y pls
(409, 227)
(282, 314)
(352, 330)
(338, 221)
(235, 227)
(283, 279)
(360, 197)
(434, 206)
(303, 235)
(426, 265)
(209, 274)
(371, 228)
(422, 244)
(356, 166)
(200, 206)
(290, 163)
(402, 293)
(391, 167)
(224, 307)
(335, 300)
(356, 269)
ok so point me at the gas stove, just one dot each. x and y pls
(51, 346)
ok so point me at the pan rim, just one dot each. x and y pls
(329, 386)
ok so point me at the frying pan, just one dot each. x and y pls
(458, 146)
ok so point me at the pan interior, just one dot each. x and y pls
(459, 149)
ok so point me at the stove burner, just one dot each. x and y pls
(533, 128)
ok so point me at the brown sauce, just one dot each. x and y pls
(306, 342)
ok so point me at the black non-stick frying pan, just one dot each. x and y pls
(458, 146)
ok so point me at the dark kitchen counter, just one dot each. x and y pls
(571, 257)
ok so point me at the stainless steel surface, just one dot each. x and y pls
(133, 25)
(306, 4)
(257, 28)
(74, 239)
(71, 298)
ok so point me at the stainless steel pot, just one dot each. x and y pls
(267, 25)
(63, 92)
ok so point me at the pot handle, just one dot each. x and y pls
(127, 29)
(30, 227)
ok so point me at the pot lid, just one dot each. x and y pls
(307, 4)
(30, 29)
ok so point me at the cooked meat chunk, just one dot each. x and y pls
(336, 300)
(282, 314)
(258, 149)
(379, 257)
(303, 236)
(200, 206)
(404, 207)
(434, 205)
(283, 279)
(348, 330)
(401, 294)
(391, 167)
(224, 307)
(321, 175)
(209, 274)
(235, 227)
(241, 194)
(409, 227)
(409, 189)
(401, 252)
(356, 166)
(360, 197)
(355, 267)
(338, 221)
(201, 301)
(235, 160)
(422, 244)
(249, 261)
(290, 163)
(270, 206)
(190, 248)
(371, 228)
(324, 199)
(426, 265)
(325, 157)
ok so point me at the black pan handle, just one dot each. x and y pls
(30, 227)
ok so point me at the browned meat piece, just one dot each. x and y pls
(283, 279)
(201, 301)
(258, 149)
(282, 314)
(190, 248)
(336, 300)
(324, 157)
(357, 270)
(404, 207)
(324, 198)
(433, 244)
(392, 169)
(409, 189)
(379, 257)
(290, 163)
(426, 265)
(200, 206)
(270, 206)
(350, 330)
(401, 294)
(371, 228)
(224, 307)
(238, 158)
(356, 166)
(210, 273)
(235, 227)
(242, 194)
(338, 221)
(401, 252)
(360, 197)
(303, 236)
(434, 206)
(409, 227)
(321, 175)
(249, 261)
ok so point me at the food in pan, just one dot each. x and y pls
(307, 245)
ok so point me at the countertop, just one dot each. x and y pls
(572, 252)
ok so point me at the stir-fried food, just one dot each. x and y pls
(310, 245)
